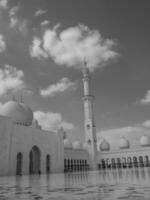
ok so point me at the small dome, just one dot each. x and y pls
(77, 145)
(18, 112)
(84, 146)
(104, 145)
(124, 143)
(67, 144)
(145, 141)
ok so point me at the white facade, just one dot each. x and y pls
(29, 150)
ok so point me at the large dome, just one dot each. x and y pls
(67, 144)
(104, 145)
(145, 141)
(18, 112)
(124, 143)
(77, 145)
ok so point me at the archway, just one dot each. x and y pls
(48, 160)
(135, 161)
(141, 163)
(35, 160)
(118, 163)
(147, 163)
(103, 164)
(113, 163)
(124, 164)
(129, 161)
(19, 164)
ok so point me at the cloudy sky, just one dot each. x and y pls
(42, 48)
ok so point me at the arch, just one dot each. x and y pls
(77, 165)
(80, 165)
(74, 165)
(118, 163)
(103, 164)
(147, 163)
(35, 161)
(113, 163)
(141, 163)
(129, 161)
(19, 162)
(135, 161)
(68, 165)
(65, 165)
(86, 165)
(71, 166)
(48, 163)
(107, 163)
(124, 163)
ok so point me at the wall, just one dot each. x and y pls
(16, 138)
(24, 138)
(6, 129)
(141, 151)
(76, 154)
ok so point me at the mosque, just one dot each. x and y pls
(25, 148)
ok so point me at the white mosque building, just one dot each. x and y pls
(25, 148)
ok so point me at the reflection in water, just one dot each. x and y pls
(107, 184)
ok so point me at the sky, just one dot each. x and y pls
(43, 45)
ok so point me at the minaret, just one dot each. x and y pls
(89, 124)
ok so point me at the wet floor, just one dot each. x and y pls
(105, 185)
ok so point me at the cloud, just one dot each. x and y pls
(4, 4)
(52, 121)
(146, 99)
(39, 12)
(44, 23)
(73, 45)
(16, 23)
(1, 105)
(63, 85)
(10, 79)
(14, 10)
(36, 50)
(146, 124)
(2, 44)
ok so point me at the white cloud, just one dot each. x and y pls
(52, 121)
(4, 4)
(63, 85)
(73, 45)
(146, 99)
(1, 105)
(44, 23)
(39, 12)
(2, 44)
(10, 79)
(36, 50)
(17, 23)
(14, 10)
(146, 124)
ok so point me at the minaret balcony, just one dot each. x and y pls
(88, 98)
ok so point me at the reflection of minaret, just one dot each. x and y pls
(90, 129)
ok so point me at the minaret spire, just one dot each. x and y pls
(89, 124)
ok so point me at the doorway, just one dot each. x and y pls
(35, 161)
(19, 164)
